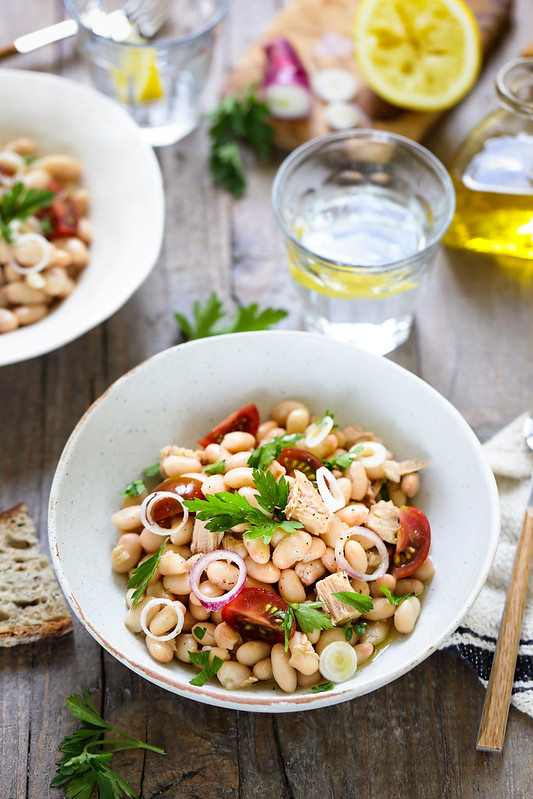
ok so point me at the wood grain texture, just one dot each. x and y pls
(413, 739)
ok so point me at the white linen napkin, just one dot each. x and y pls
(475, 639)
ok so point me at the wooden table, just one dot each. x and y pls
(414, 739)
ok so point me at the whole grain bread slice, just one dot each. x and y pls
(32, 606)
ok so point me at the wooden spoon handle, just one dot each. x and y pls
(496, 707)
(7, 50)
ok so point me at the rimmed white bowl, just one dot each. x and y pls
(179, 394)
(127, 201)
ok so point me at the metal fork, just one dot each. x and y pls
(148, 14)
(496, 707)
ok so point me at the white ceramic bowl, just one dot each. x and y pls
(178, 395)
(127, 202)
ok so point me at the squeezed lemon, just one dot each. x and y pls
(418, 54)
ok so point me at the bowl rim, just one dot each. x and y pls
(216, 695)
(40, 345)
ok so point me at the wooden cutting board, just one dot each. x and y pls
(319, 30)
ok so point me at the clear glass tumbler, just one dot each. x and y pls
(159, 80)
(363, 213)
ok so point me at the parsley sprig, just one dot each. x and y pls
(87, 754)
(225, 510)
(143, 573)
(207, 315)
(263, 456)
(208, 667)
(325, 686)
(134, 489)
(20, 203)
(360, 602)
(307, 615)
(237, 120)
(343, 461)
(394, 599)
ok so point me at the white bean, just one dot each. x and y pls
(162, 651)
(126, 553)
(238, 441)
(263, 669)
(127, 519)
(292, 548)
(291, 587)
(407, 614)
(232, 675)
(237, 478)
(257, 549)
(251, 652)
(284, 674)
(264, 572)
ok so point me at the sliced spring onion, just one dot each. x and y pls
(147, 508)
(329, 490)
(338, 661)
(215, 603)
(162, 601)
(378, 543)
(341, 115)
(14, 160)
(44, 260)
(318, 431)
(373, 454)
(334, 85)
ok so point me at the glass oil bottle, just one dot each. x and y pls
(492, 173)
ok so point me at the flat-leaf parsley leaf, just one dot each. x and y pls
(209, 668)
(87, 754)
(245, 319)
(360, 602)
(20, 203)
(224, 510)
(237, 120)
(142, 574)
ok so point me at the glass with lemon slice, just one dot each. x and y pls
(159, 80)
(363, 213)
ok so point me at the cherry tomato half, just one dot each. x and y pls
(65, 216)
(293, 458)
(412, 545)
(253, 614)
(62, 215)
(166, 511)
(245, 419)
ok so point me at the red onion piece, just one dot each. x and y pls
(215, 603)
(146, 512)
(378, 543)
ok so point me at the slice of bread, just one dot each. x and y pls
(31, 603)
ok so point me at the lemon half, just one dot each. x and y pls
(423, 55)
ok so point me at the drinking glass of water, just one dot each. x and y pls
(363, 213)
(156, 72)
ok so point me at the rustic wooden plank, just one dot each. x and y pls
(415, 738)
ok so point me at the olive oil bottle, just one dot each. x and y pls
(492, 173)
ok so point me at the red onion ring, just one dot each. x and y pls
(215, 603)
(146, 513)
(343, 564)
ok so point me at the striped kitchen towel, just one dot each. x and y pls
(475, 640)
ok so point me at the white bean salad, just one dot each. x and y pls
(44, 232)
(282, 550)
